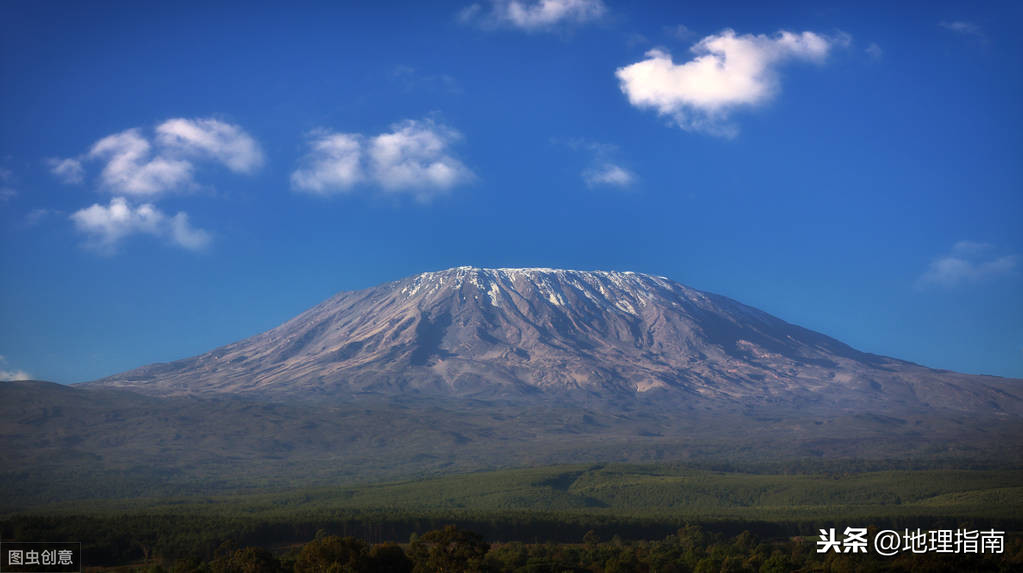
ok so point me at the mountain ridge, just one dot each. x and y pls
(523, 333)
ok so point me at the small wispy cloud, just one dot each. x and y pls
(412, 79)
(968, 262)
(679, 32)
(135, 165)
(608, 174)
(106, 226)
(14, 375)
(11, 375)
(7, 191)
(539, 15)
(415, 157)
(963, 27)
(36, 216)
(728, 72)
(874, 51)
(604, 169)
(68, 170)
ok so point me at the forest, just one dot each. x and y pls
(604, 517)
(692, 548)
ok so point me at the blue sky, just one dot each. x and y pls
(175, 177)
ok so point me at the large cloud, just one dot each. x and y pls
(968, 262)
(414, 158)
(135, 165)
(106, 226)
(727, 72)
(538, 15)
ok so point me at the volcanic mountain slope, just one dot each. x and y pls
(533, 334)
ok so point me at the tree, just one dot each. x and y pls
(448, 550)
(333, 554)
(389, 558)
(248, 560)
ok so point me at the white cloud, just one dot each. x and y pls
(412, 158)
(137, 166)
(545, 13)
(6, 194)
(609, 174)
(968, 262)
(107, 226)
(185, 235)
(333, 164)
(69, 170)
(535, 15)
(415, 157)
(874, 51)
(727, 72)
(140, 165)
(221, 141)
(131, 170)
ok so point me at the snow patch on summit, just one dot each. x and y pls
(625, 290)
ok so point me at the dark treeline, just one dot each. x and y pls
(692, 549)
(508, 542)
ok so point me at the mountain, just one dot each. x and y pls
(470, 369)
(576, 336)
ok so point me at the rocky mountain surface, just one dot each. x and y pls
(579, 336)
